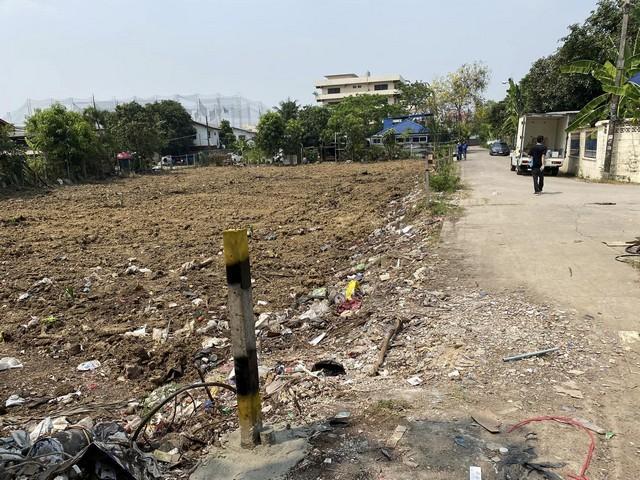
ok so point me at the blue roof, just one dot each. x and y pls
(635, 79)
(405, 126)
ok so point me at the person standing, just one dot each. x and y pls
(538, 153)
(465, 147)
(459, 150)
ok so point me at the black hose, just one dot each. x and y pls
(157, 408)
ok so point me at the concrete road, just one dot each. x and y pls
(552, 244)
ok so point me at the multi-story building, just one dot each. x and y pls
(334, 88)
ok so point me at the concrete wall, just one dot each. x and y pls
(201, 136)
(625, 162)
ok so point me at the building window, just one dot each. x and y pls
(376, 140)
(381, 86)
(332, 90)
(591, 144)
(574, 145)
(423, 139)
(416, 139)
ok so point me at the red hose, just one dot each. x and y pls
(567, 421)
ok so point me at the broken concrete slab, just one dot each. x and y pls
(263, 462)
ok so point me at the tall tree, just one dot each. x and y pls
(313, 119)
(288, 109)
(227, 137)
(270, 133)
(546, 89)
(176, 125)
(293, 133)
(64, 138)
(464, 89)
(416, 97)
(356, 118)
(137, 130)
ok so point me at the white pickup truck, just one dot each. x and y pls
(552, 126)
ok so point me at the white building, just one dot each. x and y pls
(206, 136)
(334, 88)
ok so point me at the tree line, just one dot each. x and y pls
(578, 76)
(450, 103)
(82, 145)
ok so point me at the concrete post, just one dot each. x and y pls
(243, 338)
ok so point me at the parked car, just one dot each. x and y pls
(500, 148)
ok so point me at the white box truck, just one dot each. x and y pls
(553, 127)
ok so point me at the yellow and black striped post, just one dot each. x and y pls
(243, 336)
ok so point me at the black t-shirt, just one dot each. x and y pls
(536, 152)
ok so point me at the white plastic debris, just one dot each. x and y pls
(23, 297)
(14, 401)
(138, 332)
(90, 365)
(414, 381)
(7, 363)
(45, 427)
(318, 339)
(475, 473)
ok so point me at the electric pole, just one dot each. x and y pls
(615, 99)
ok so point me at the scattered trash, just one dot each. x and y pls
(475, 473)
(318, 339)
(195, 265)
(384, 277)
(530, 354)
(591, 426)
(317, 310)
(172, 456)
(138, 332)
(349, 306)
(407, 229)
(330, 368)
(396, 436)
(460, 441)
(7, 363)
(609, 435)
(350, 291)
(415, 381)
(14, 401)
(454, 374)
(217, 342)
(340, 419)
(23, 297)
(487, 420)
(319, 293)
(87, 366)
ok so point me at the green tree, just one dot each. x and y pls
(514, 109)
(227, 137)
(65, 140)
(356, 118)
(546, 89)
(137, 130)
(105, 146)
(313, 119)
(463, 90)
(605, 74)
(288, 109)
(416, 97)
(293, 133)
(176, 125)
(270, 133)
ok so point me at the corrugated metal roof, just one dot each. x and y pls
(405, 126)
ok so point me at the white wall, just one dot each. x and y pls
(201, 136)
(625, 161)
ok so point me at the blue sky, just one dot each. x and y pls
(265, 50)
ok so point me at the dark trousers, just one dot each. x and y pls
(538, 179)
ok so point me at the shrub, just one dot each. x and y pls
(445, 179)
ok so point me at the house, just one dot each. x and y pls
(335, 88)
(405, 129)
(247, 133)
(587, 148)
(206, 136)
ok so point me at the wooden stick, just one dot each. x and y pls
(385, 346)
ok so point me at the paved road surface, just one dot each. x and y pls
(552, 244)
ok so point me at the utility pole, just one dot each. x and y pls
(615, 99)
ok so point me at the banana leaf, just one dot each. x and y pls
(592, 111)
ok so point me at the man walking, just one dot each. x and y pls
(538, 153)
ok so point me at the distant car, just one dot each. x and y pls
(500, 148)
